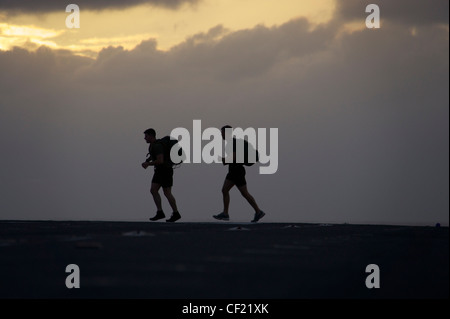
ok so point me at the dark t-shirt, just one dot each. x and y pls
(235, 166)
(156, 149)
(236, 171)
(243, 151)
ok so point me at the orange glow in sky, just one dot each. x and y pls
(127, 28)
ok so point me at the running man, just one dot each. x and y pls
(162, 177)
(236, 176)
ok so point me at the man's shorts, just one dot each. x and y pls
(236, 174)
(163, 176)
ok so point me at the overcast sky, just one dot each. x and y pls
(362, 114)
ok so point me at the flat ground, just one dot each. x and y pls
(134, 260)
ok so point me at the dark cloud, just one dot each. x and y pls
(363, 124)
(412, 12)
(217, 53)
(30, 6)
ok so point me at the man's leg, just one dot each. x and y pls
(244, 191)
(168, 193)
(175, 215)
(258, 213)
(156, 197)
(227, 185)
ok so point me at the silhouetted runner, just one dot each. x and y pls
(236, 176)
(162, 177)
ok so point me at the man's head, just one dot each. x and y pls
(223, 130)
(150, 135)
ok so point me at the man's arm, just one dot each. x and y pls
(159, 160)
(158, 151)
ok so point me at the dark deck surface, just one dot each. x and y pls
(221, 260)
